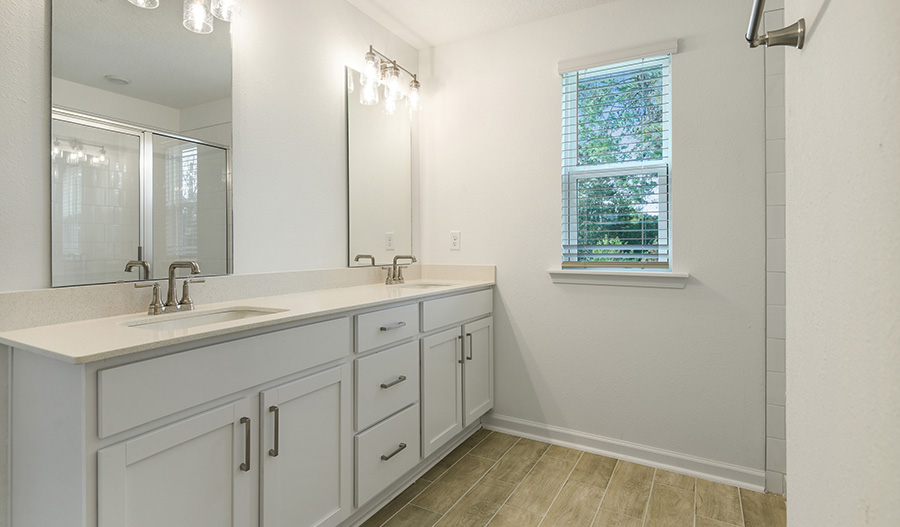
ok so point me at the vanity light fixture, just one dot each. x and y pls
(225, 10)
(380, 71)
(197, 16)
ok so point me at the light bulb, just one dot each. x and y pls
(226, 10)
(146, 4)
(390, 106)
(72, 158)
(393, 83)
(102, 156)
(197, 17)
(370, 71)
(414, 98)
(368, 95)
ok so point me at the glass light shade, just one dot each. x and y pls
(350, 84)
(56, 151)
(394, 85)
(146, 4)
(414, 98)
(72, 158)
(390, 106)
(197, 16)
(370, 71)
(368, 95)
(226, 10)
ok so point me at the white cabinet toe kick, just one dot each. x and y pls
(311, 425)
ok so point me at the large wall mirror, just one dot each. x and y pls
(380, 200)
(140, 142)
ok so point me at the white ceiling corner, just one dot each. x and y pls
(445, 21)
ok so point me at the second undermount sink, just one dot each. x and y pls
(422, 285)
(192, 320)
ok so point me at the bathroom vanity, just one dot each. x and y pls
(308, 409)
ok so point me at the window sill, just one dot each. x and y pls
(665, 280)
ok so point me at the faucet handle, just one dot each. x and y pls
(186, 304)
(399, 277)
(156, 306)
(390, 275)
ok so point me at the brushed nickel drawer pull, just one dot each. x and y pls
(395, 452)
(395, 383)
(395, 325)
(274, 451)
(469, 356)
(245, 466)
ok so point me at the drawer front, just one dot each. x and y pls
(386, 382)
(380, 460)
(453, 309)
(138, 393)
(387, 326)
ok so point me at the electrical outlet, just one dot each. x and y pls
(454, 240)
(389, 241)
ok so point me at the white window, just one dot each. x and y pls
(616, 166)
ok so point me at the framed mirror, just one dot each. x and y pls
(379, 181)
(140, 142)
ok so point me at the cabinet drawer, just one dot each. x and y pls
(138, 393)
(386, 382)
(445, 311)
(386, 440)
(387, 326)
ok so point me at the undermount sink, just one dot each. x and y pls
(192, 320)
(421, 285)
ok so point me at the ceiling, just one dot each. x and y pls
(166, 63)
(427, 23)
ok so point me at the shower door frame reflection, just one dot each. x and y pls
(145, 200)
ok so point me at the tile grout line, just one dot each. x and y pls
(741, 505)
(479, 480)
(650, 495)
(391, 517)
(544, 454)
(605, 492)
(695, 502)
(561, 488)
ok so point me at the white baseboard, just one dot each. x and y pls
(655, 457)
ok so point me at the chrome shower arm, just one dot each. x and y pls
(793, 35)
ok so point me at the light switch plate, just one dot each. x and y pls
(454, 240)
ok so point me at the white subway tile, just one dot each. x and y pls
(775, 257)
(776, 455)
(775, 387)
(773, 18)
(775, 60)
(775, 421)
(775, 322)
(775, 355)
(775, 122)
(775, 90)
(775, 188)
(775, 221)
(775, 155)
(775, 289)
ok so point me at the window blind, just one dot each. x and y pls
(616, 142)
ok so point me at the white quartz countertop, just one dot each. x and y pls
(103, 338)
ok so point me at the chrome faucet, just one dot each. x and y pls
(171, 302)
(395, 272)
(365, 257)
(141, 265)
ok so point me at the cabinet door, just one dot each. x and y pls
(478, 375)
(306, 451)
(441, 389)
(191, 473)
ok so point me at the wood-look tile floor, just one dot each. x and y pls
(501, 480)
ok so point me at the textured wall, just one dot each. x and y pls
(843, 289)
(679, 370)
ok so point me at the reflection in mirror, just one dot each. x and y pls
(380, 201)
(140, 140)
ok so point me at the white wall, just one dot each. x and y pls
(290, 162)
(79, 97)
(290, 167)
(677, 370)
(843, 327)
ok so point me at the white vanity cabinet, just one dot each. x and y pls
(304, 457)
(194, 472)
(457, 366)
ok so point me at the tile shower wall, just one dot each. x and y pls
(776, 456)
